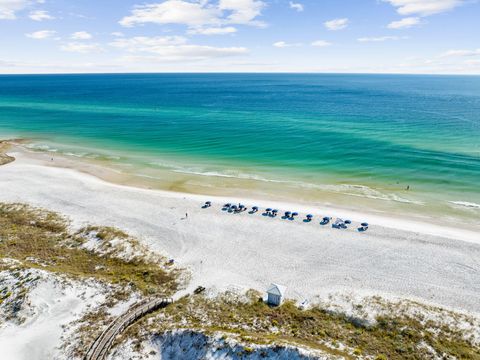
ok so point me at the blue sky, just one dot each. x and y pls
(373, 36)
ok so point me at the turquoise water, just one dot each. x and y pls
(370, 132)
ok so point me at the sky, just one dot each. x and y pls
(332, 36)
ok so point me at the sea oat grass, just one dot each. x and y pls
(42, 239)
(395, 335)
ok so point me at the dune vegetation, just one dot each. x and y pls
(42, 239)
(403, 330)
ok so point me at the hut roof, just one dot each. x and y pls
(276, 289)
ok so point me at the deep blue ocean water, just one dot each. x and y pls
(380, 131)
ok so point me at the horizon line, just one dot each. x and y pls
(237, 72)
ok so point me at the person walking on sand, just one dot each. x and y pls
(186, 215)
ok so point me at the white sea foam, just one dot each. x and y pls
(79, 155)
(40, 147)
(203, 172)
(465, 204)
(69, 152)
(360, 191)
(367, 192)
(227, 174)
(160, 164)
(345, 189)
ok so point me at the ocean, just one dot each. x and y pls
(403, 143)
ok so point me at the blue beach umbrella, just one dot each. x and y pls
(325, 220)
(347, 222)
(309, 216)
(268, 210)
(255, 208)
(364, 224)
(295, 214)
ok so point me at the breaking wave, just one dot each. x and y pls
(465, 204)
(84, 154)
(345, 189)
(367, 192)
(41, 147)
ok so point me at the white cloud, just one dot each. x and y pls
(424, 7)
(8, 8)
(42, 34)
(381, 38)
(283, 44)
(83, 48)
(173, 12)
(213, 30)
(336, 24)
(460, 53)
(404, 23)
(321, 43)
(173, 48)
(148, 44)
(197, 14)
(81, 35)
(243, 11)
(40, 15)
(296, 6)
(117, 34)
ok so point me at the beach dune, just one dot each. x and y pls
(224, 250)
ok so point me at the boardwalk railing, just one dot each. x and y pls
(100, 348)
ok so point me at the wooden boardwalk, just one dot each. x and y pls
(100, 348)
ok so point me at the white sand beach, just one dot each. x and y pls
(394, 258)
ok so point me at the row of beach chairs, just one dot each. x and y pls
(288, 215)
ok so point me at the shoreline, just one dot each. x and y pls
(347, 201)
(431, 263)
